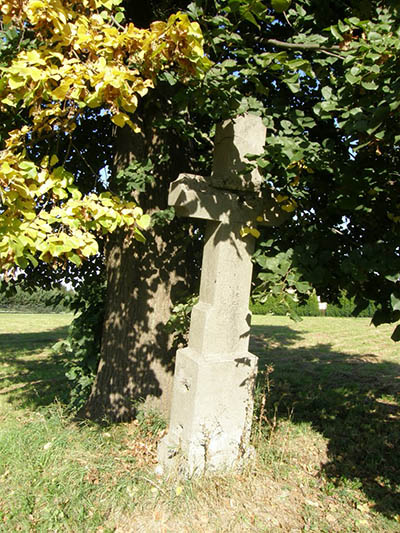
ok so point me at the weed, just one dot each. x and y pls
(150, 421)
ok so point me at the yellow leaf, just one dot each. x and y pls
(15, 83)
(90, 249)
(102, 63)
(249, 231)
(134, 127)
(120, 119)
(61, 91)
(47, 185)
(254, 232)
(178, 490)
(33, 56)
(137, 212)
(94, 99)
(281, 198)
(36, 73)
(9, 102)
(5, 168)
(45, 162)
(290, 206)
(144, 221)
(35, 4)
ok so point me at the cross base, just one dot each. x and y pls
(211, 413)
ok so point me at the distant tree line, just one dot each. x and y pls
(344, 307)
(37, 301)
(58, 300)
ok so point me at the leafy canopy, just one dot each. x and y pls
(76, 56)
(324, 77)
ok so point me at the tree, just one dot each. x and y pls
(89, 81)
(76, 59)
(326, 86)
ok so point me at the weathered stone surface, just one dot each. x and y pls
(212, 401)
(194, 197)
(220, 322)
(234, 139)
(211, 413)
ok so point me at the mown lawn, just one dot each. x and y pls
(29, 373)
(326, 431)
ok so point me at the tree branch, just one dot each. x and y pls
(330, 53)
(302, 46)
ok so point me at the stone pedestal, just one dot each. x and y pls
(212, 403)
(211, 413)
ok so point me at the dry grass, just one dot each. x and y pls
(281, 491)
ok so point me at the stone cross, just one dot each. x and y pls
(212, 402)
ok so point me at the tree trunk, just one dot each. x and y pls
(136, 361)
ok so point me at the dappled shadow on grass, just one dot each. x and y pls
(14, 343)
(354, 401)
(30, 375)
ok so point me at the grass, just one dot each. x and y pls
(326, 430)
(339, 379)
(30, 375)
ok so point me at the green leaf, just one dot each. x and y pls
(247, 15)
(32, 259)
(396, 334)
(395, 301)
(351, 78)
(21, 261)
(335, 33)
(302, 286)
(294, 87)
(194, 10)
(139, 236)
(280, 5)
(75, 259)
(343, 27)
(374, 36)
(296, 64)
(326, 92)
(27, 165)
(119, 17)
(262, 163)
(369, 85)
(170, 78)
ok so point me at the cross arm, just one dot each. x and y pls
(193, 197)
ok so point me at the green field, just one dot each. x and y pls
(326, 431)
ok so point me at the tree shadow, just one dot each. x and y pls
(36, 377)
(352, 400)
